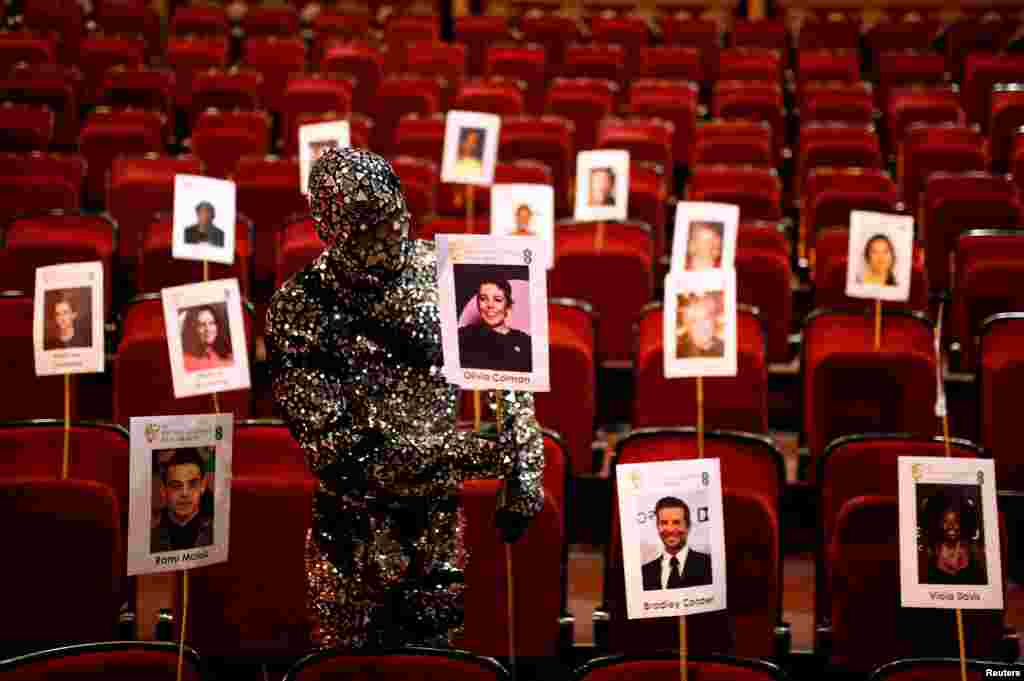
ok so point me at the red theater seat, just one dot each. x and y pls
(703, 33)
(447, 60)
(1000, 367)
(420, 183)
(770, 34)
(268, 188)
(55, 237)
(313, 93)
(981, 72)
(127, 17)
(571, 407)
(143, 352)
(112, 660)
(750, 63)
(361, 61)
(451, 198)
(158, 269)
(981, 32)
(940, 669)
(734, 142)
(754, 578)
(829, 275)
(190, 55)
(279, 21)
(732, 402)
(65, 20)
(554, 32)
(403, 30)
(37, 182)
(757, 191)
(297, 246)
(477, 33)
(669, 100)
(648, 200)
(221, 138)
(526, 63)
(889, 390)
(109, 133)
(989, 270)
(25, 127)
(746, 100)
(1006, 117)
(584, 101)
(275, 58)
(199, 20)
(422, 136)
(265, 448)
(763, 276)
(646, 139)
(27, 47)
(227, 89)
(55, 86)
(837, 30)
(99, 52)
(496, 95)
(908, 33)
(908, 68)
(839, 101)
(412, 664)
(672, 62)
(630, 31)
(57, 518)
(663, 665)
(922, 104)
(548, 139)
(397, 96)
(138, 188)
(821, 63)
(610, 265)
(837, 144)
(857, 465)
(141, 87)
(341, 25)
(596, 60)
(253, 606)
(954, 202)
(830, 193)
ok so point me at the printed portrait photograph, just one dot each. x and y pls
(205, 229)
(469, 158)
(205, 337)
(183, 499)
(950, 534)
(700, 325)
(678, 563)
(522, 221)
(493, 308)
(877, 265)
(68, 318)
(601, 186)
(704, 245)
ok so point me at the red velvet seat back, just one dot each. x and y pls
(611, 267)
(271, 21)
(736, 142)
(537, 567)
(477, 33)
(54, 85)
(398, 95)
(750, 63)
(116, 661)
(142, 87)
(298, 246)
(554, 32)
(107, 135)
(434, 58)
(673, 62)
(101, 52)
(451, 198)
(266, 448)
(672, 101)
(524, 62)
(313, 93)
(901, 67)
(57, 519)
(731, 402)
(492, 95)
(753, 580)
(220, 139)
(746, 100)
(1000, 369)
(420, 184)
(548, 139)
(275, 58)
(158, 269)
(142, 370)
(666, 668)
(53, 238)
(26, 127)
(596, 60)
(254, 605)
(38, 397)
(361, 61)
(584, 101)
(757, 191)
(646, 139)
(648, 199)
(421, 136)
(763, 276)
(416, 664)
(849, 387)
(190, 55)
(981, 72)
(922, 160)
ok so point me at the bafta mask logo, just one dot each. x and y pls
(916, 471)
(457, 250)
(636, 479)
(152, 432)
(981, 477)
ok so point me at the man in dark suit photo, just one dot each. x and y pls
(204, 231)
(678, 566)
(64, 330)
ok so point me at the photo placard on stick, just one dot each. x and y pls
(180, 507)
(206, 337)
(705, 236)
(67, 325)
(949, 534)
(699, 317)
(492, 293)
(602, 185)
(314, 140)
(204, 219)
(673, 537)
(470, 147)
(525, 210)
(880, 256)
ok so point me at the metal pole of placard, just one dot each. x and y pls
(509, 580)
(66, 458)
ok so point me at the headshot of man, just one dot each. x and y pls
(602, 187)
(470, 155)
(697, 327)
(953, 555)
(205, 339)
(182, 523)
(204, 231)
(678, 566)
(491, 343)
(879, 262)
(523, 217)
(63, 327)
(704, 246)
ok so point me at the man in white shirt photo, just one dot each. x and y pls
(678, 566)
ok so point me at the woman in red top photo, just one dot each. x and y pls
(205, 338)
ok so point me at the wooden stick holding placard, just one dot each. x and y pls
(206, 277)
(599, 237)
(184, 621)
(878, 323)
(66, 459)
(682, 648)
(700, 417)
(509, 580)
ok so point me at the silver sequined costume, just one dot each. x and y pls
(355, 349)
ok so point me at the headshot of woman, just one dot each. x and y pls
(205, 338)
(879, 262)
(469, 160)
(491, 343)
(953, 556)
(704, 246)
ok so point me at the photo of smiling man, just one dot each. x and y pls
(182, 523)
(678, 566)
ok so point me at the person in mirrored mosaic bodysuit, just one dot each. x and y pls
(354, 343)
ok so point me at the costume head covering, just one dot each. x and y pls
(353, 191)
